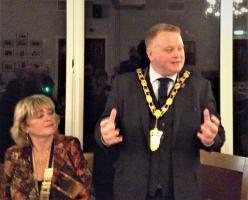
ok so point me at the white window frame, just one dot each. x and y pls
(74, 68)
(226, 72)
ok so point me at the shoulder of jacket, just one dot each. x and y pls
(195, 75)
(14, 152)
(125, 77)
(60, 138)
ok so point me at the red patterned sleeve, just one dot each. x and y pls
(81, 167)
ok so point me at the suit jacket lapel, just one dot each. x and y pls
(179, 101)
(144, 115)
(143, 109)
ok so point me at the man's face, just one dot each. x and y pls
(166, 53)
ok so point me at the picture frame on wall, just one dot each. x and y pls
(8, 66)
(21, 64)
(22, 39)
(21, 52)
(23, 36)
(35, 43)
(61, 5)
(36, 64)
(35, 52)
(8, 43)
(8, 52)
(21, 43)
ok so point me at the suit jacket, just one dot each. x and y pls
(19, 181)
(132, 165)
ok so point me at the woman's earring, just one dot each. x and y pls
(27, 137)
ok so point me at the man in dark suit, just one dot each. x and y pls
(158, 140)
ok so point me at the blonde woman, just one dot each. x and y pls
(43, 164)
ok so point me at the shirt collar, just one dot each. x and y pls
(154, 76)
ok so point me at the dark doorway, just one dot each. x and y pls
(95, 97)
(93, 102)
(240, 96)
(240, 62)
(95, 52)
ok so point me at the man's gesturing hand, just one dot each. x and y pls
(110, 135)
(209, 128)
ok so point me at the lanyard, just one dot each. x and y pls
(48, 173)
(50, 156)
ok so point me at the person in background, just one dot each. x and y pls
(158, 132)
(43, 163)
(90, 86)
(132, 63)
(103, 170)
(143, 58)
(8, 101)
(115, 73)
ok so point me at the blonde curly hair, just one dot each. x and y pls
(25, 108)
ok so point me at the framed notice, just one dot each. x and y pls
(35, 52)
(21, 39)
(8, 66)
(8, 43)
(8, 52)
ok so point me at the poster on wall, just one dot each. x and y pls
(8, 66)
(36, 43)
(35, 52)
(8, 52)
(21, 52)
(36, 64)
(22, 39)
(20, 64)
(8, 43)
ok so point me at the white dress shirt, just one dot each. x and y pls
(154, 76)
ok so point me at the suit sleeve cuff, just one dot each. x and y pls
(104, 143)
(209, 145)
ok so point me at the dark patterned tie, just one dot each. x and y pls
(162, 90)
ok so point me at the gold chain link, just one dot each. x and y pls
(177, 86)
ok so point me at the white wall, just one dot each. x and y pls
(40, 20)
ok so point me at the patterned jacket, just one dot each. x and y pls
(19, 183)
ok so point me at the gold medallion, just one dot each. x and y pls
(155, 136)
(157, 113)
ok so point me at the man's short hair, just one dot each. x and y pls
(154, 30)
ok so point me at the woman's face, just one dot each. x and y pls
(42, 124)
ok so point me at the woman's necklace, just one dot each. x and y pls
(43, 171)
(40, 161)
